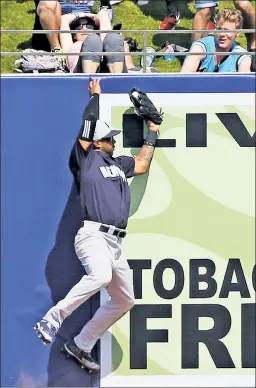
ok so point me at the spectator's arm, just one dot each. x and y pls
(244, 65)
(103, 21)
(192, 62)
(66, 39)
(128, 58)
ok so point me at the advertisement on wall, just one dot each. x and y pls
(190, 241)
(190, 244)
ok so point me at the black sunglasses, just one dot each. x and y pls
(80, 27)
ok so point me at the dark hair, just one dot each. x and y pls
(89, 22)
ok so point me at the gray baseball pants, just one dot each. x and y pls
(106, 266)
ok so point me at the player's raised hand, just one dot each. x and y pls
(94, 86)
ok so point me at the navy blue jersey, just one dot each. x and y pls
(102, 185)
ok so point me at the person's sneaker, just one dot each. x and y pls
(171, 20)
(45, 331)
(84, 359)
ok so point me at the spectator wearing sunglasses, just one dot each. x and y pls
(228, 19)
(89, 43)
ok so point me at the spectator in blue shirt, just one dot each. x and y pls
(205, 15)
(228, 19)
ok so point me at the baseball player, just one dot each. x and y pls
(101, 180)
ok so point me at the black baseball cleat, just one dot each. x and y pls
(45, 331)
(84, 359)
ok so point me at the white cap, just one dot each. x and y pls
(103, 130)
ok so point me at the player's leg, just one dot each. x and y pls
(121, 301)
(93, 252)
(205, 10)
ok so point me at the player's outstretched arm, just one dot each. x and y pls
(90, 115)
(144, 157)
(145, 109)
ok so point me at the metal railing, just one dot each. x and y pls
(142, 53)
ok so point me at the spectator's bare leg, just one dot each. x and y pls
(90, 62)
(114, 43)
(104, 21)
(128, 58)
(248, 12)
(90, 66)
(49, 12)
(201, 21)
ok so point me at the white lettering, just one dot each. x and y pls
(104, 172)
(112, 172)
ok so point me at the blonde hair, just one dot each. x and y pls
(230, 15)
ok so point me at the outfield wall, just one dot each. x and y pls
(190, 240)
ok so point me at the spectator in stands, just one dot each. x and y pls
(92, 42)
(205, 14)
(227, 19)
(48, 17)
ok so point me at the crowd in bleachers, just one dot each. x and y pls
(77, 15)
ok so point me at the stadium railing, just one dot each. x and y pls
(142, 53)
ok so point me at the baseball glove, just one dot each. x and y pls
(144, 107)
